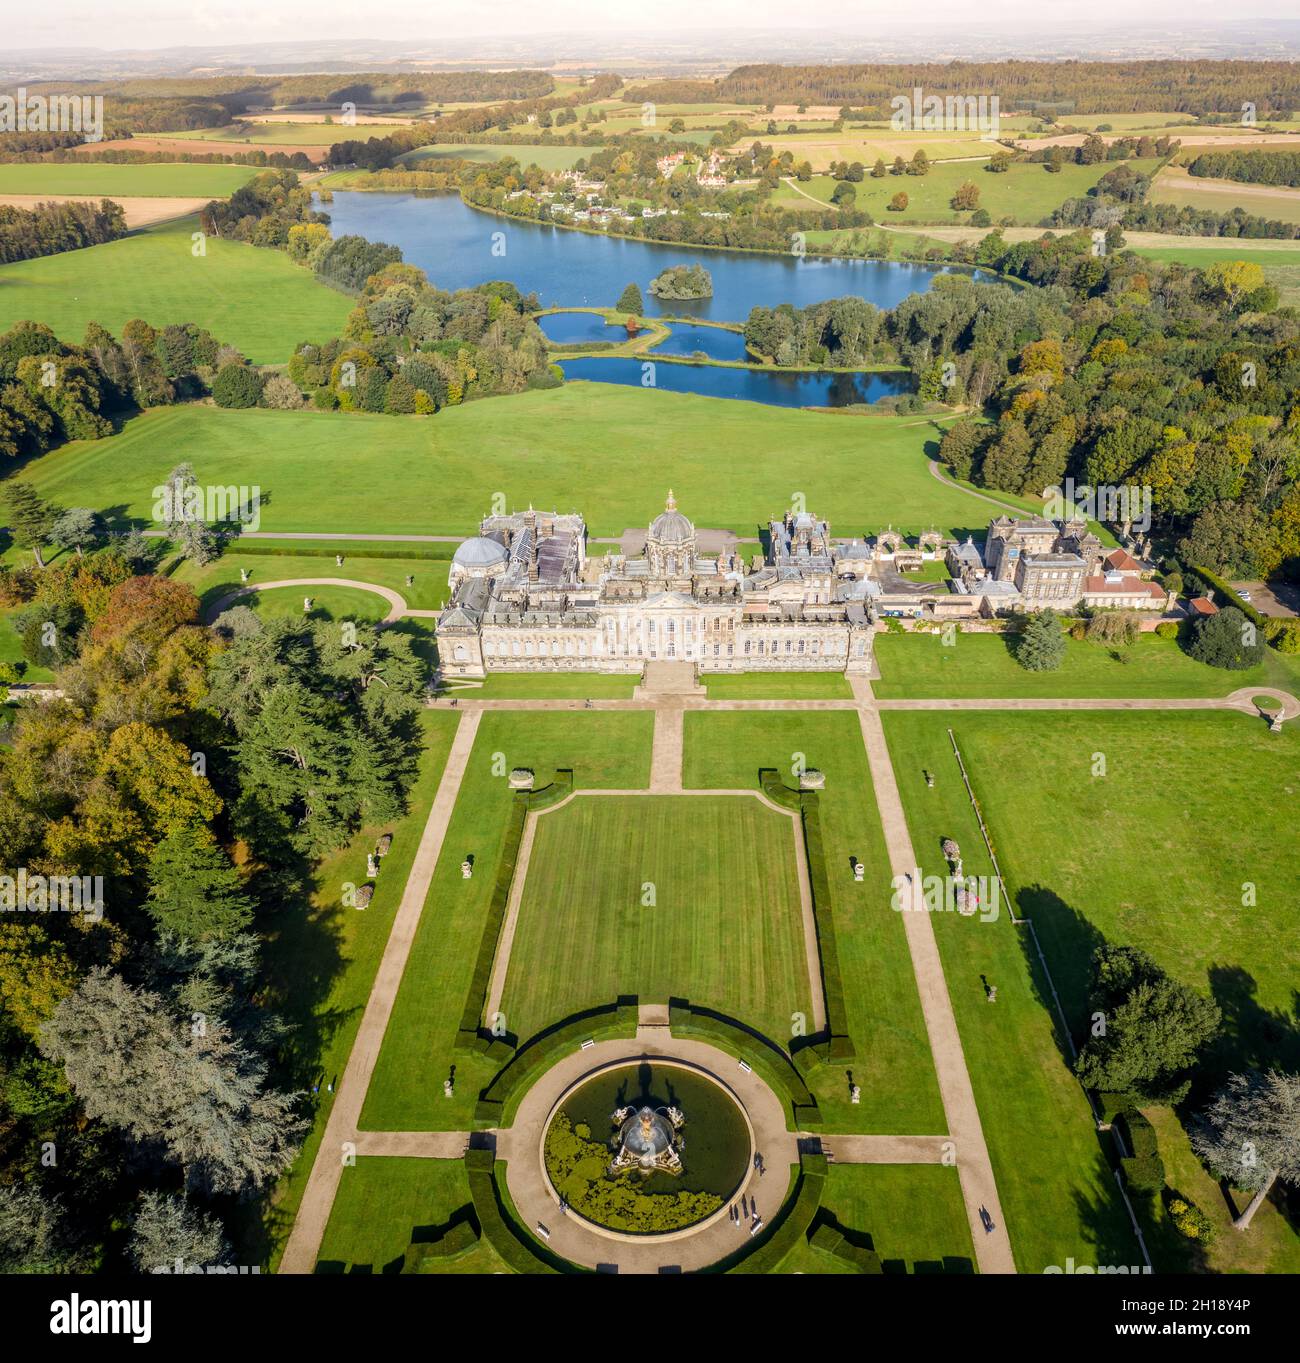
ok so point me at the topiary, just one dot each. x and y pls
(1167, 629)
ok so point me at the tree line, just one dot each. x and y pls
(156, 1057)
(49, 228)
(1273, 87)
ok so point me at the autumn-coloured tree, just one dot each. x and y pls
(148, 608)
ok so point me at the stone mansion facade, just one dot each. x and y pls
(527, 597)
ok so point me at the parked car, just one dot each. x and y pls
(1243, 593)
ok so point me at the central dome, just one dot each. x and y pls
(670, 526)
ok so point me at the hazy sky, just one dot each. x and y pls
(157, 23)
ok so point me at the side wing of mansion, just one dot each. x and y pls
(526, 596)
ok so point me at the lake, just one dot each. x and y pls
(571, 328)
(779, 388)
(458, 246)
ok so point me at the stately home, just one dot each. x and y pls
(526, 596)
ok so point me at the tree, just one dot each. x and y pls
(236, 385)
(878, 171)
(168, 1230)
(1250, 1135)
(898, 204)
(76, 528)
(1119, 628)
(844, 196)
(281, 392)
(34, 1233)
(959, 446)
(31, 518)
(188, 1086)
(920, 163)
(630, 301)
(194, 891)
(967, 197)
(1227, 640)
(148, 608)
(1042, 645)
(1152, 1028)
(999, 163)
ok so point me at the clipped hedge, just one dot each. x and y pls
(542, 1051)
(703, 1024)
(458, 1238)
(480, 1169)
(793, 1226)
(433, 552)
(470, 1036)
(1144, 1170)
(839, 1043)
(830, 1238)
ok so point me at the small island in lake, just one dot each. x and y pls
(682, 281)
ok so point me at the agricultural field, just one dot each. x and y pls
(820, 148)
(724, 927)
(283, 136)
(1174, 186)
(1025, 192)
(67, 178)
(256, 300)
(328, 472)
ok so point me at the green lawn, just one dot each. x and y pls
(1155, 853)
(912, 1215)
(919, 667)
(724, 930)
(778, 686)
(604, 750)
(893, 1065)
(319, 966)
(384, 1203)
(250, 297)
(559, 686)
(178, 181)
(220, 577)
(564, 449)
(1025, 192)
(11, 650)
(1057, 1192)
(1158, 858)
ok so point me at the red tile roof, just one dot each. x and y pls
(1202, 605)
(1123, 562)
(1127, 586)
